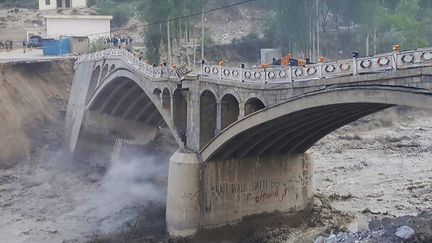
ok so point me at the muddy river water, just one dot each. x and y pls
(377, 167)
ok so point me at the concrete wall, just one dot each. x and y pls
(14, 34)
(52, 4)
(218, 193)
(79, 45)
(92, 26)
(47, 4)
(79, 3)
(236, 189)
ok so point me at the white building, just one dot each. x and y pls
(93, 26)
(53, 4)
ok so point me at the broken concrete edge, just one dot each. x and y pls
(194, 207)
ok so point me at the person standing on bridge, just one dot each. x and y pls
(130, 41)
(29, 47)
(7, 45)
(24, 44)
(115, 41)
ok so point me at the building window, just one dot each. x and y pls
(47, 2)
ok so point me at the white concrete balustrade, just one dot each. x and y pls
(379, 63)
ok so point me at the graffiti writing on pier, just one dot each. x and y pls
(258, 191)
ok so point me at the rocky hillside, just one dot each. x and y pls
(30, 94)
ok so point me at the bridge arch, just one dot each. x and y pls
(125, 96)
(230, 110)
(166, 100)
(94, 80)
(249, 96)
(180, 112)
(233, 93)
(253, 105)
(112, 68)
(104, 71)
(212, 90)
(157, 93)
(297, 124)
(208, 116)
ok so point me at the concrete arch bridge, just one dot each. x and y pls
(242, 133)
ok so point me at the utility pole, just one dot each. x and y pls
(194, 48)
(179, 44)
(375, 41)
(170, 61)
(318, 30)
(367, 44)
(202, 34)
(312, 31)
(186, 36)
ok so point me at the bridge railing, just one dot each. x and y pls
(418, 58)
(379, 63)
(375, 64)
(141, 66)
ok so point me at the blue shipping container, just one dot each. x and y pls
(53, 47)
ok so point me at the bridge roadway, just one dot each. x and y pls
(34, 56)
(242, 133)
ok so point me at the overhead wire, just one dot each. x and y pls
(176, 18)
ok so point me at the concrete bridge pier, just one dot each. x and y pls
(238, 193)
(183, 212)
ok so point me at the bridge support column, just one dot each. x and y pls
(237, 195)
(183, 209)
(241, 110)
(218, 117)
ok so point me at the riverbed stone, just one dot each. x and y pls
(405, 232)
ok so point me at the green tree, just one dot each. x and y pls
(156, 13)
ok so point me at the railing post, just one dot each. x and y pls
(394, 62)
(242, 66)
(220, 70)
(320, 70)
(265, 75)
(355, 55)
(355, 72)
(290, 74)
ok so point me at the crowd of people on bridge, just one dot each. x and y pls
(118, 41)
(26, 46)
(6, 45)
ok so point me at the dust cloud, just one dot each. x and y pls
(128, 185)
(52, 199)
